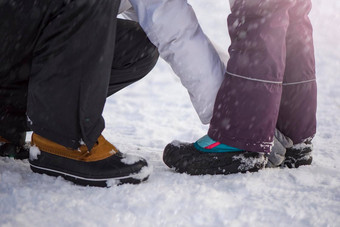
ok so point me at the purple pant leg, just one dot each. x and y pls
(297, 115)
(247, 104)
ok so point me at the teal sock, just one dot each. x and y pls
(206, 144)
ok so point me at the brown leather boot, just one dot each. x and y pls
(103, 166)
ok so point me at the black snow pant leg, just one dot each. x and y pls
(13, 120)
(71, 46)
(70, 73)
(19, 23)
(134, 56)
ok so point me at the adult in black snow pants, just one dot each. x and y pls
(269, 83)
(59, 60)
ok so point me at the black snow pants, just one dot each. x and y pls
(59, 60)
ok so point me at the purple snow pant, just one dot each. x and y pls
(270, 79)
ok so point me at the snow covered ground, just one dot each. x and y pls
(143, 118)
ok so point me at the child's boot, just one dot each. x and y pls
(207, 156)
(298, 155)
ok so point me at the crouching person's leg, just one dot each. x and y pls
(17, 31)
(67, 91)
(13, 123)
(134, 56)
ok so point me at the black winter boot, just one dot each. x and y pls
(103, 166)
(186, 158)
(298, 155)
(14, 149)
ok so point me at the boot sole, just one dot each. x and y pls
(186, 159)
(103, 173)
(84, 181)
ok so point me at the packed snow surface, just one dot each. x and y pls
(146, 116)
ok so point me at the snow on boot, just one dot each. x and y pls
(103, 166)
(14, 150)
(214, 158)
(298, 155)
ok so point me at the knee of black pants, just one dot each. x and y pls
(91, 5)
(134, 56)
(132, 45)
